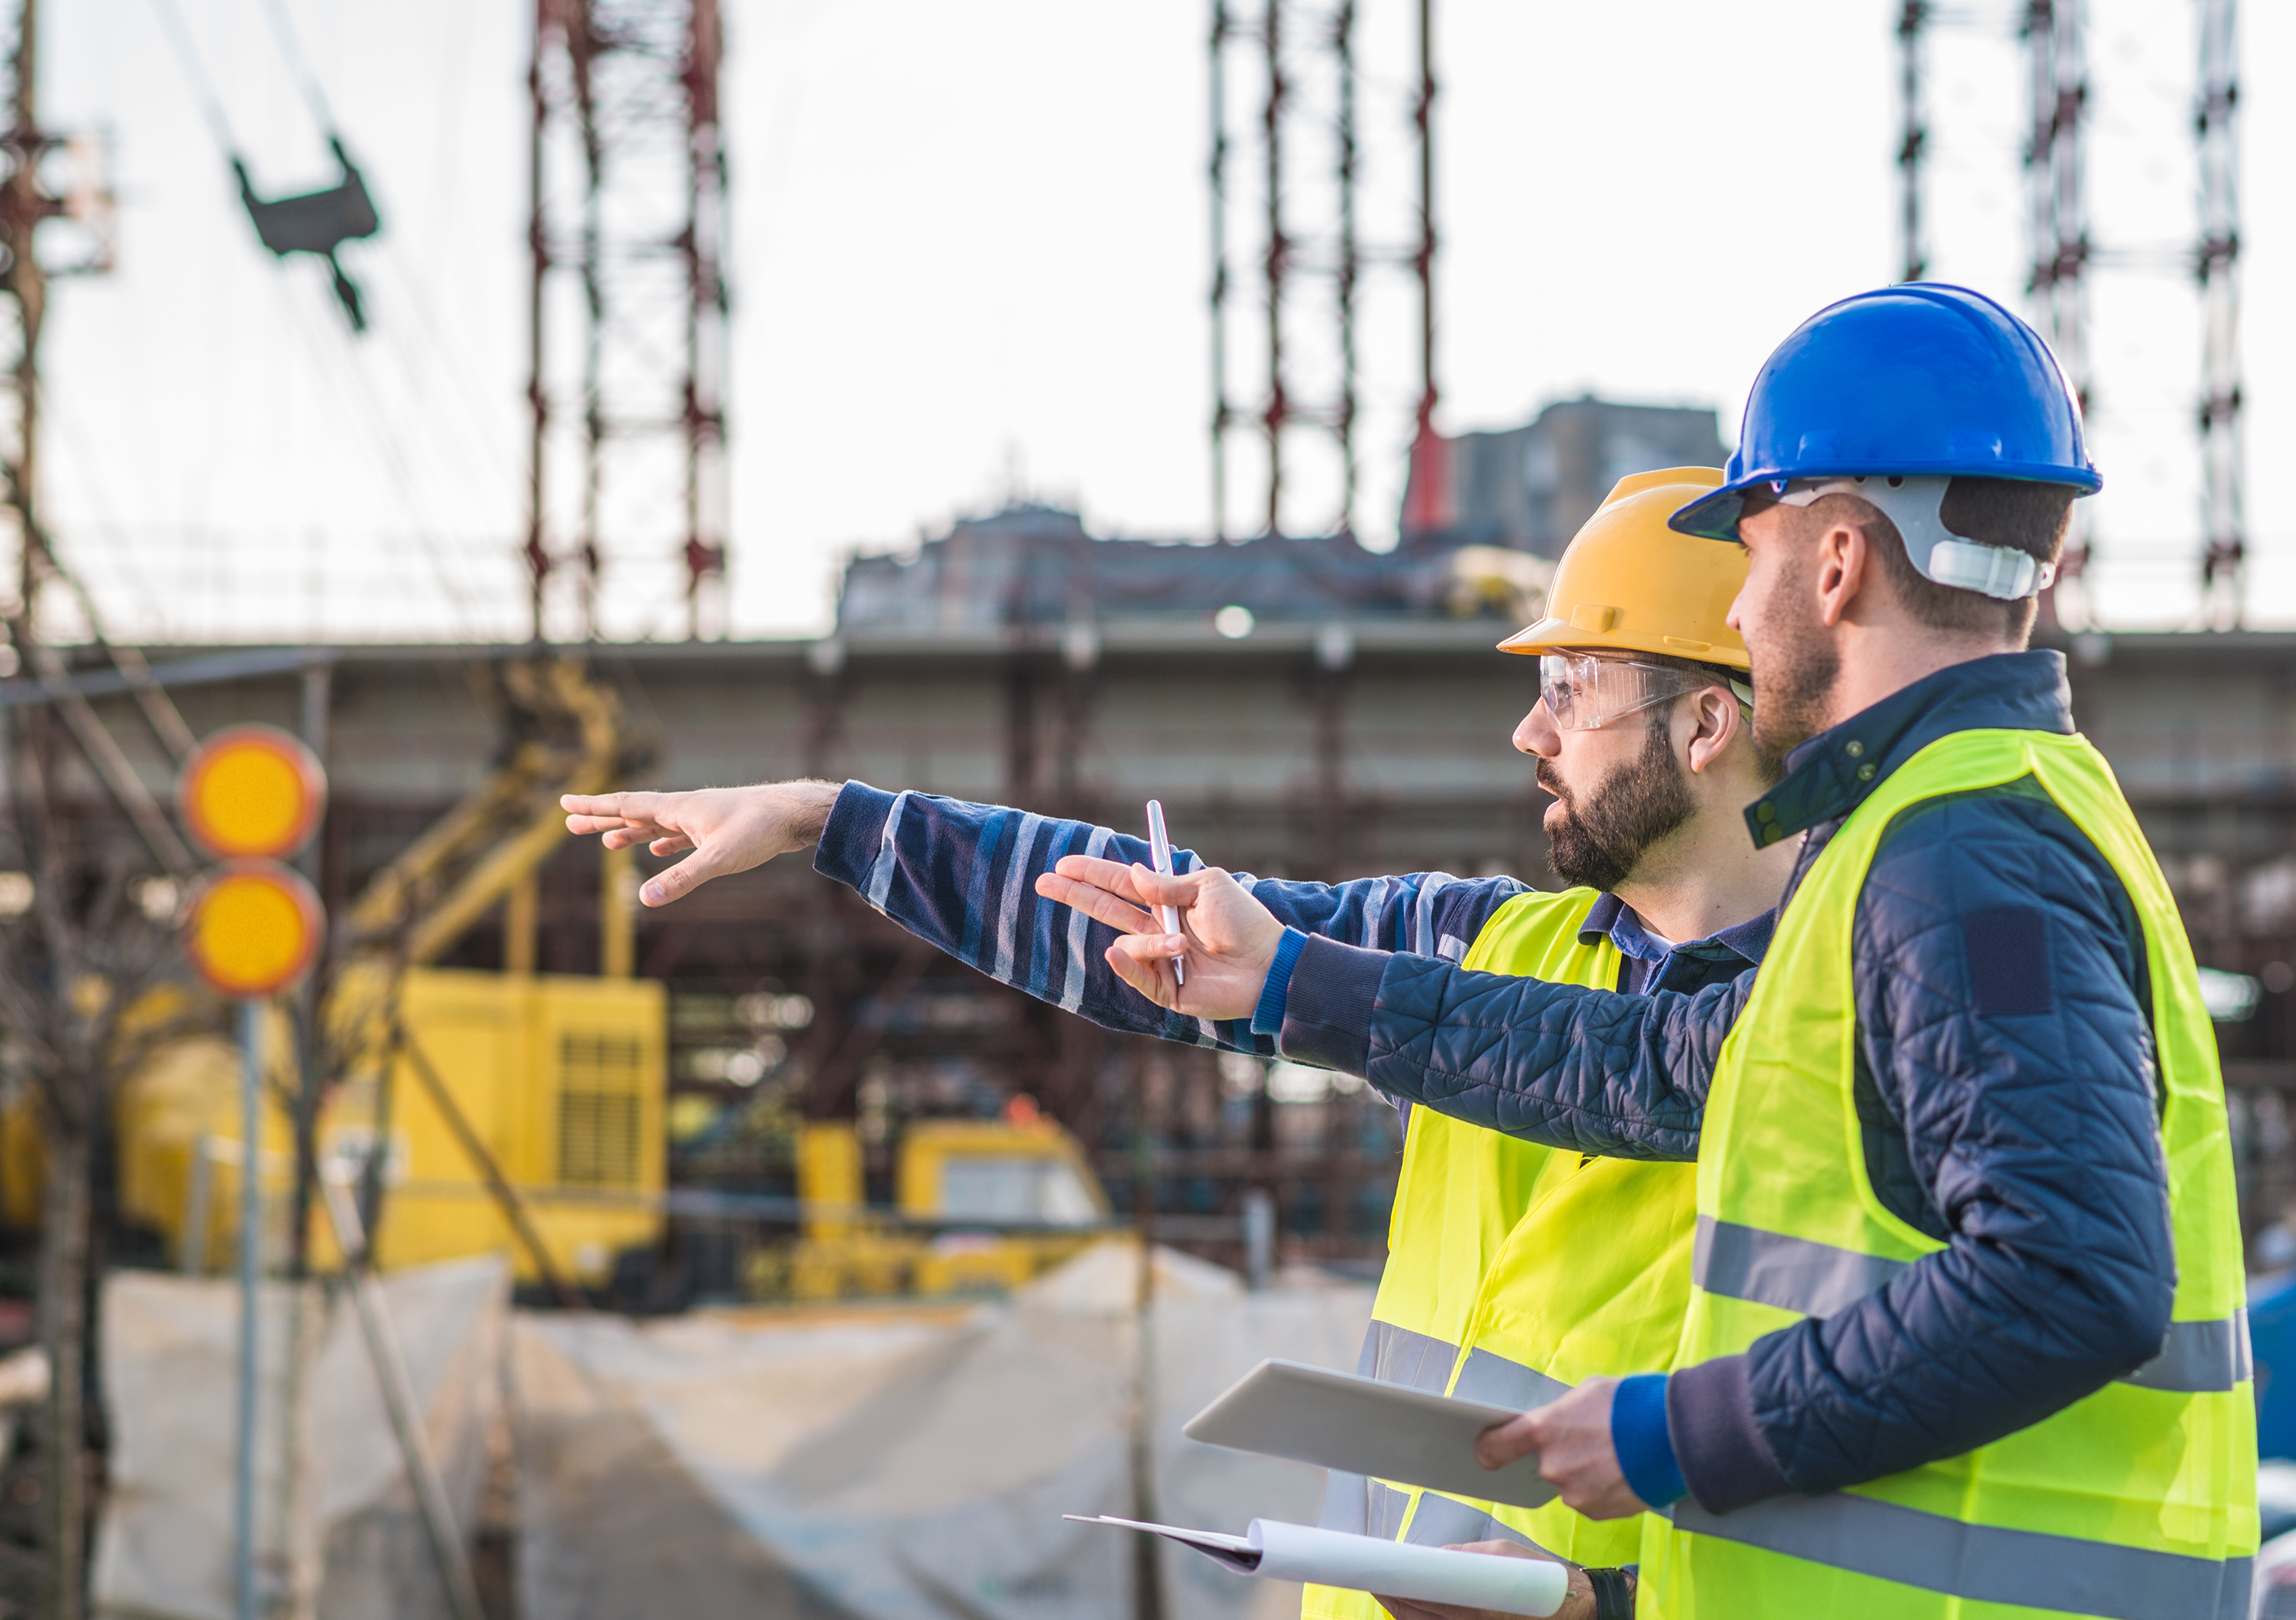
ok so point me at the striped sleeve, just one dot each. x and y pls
(962, 876)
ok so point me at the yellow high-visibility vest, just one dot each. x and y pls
(2137, 1502)
(1516, 1270)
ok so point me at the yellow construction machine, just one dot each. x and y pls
(980, 1206)
(514, 1111)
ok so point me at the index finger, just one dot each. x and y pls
(623, 807)
(1114, 876)
(1095, 903)
(602, 823)
(1183, 889)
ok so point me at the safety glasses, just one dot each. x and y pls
(1582, 691)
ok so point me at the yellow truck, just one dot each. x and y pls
(980, 1206)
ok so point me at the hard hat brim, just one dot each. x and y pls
(1715, 516)
(1561, 636)
(1545, 636)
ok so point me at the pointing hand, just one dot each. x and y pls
(718, 830)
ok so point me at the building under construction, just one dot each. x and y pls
(1351, 719)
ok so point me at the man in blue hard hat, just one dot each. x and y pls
(1967, 1329)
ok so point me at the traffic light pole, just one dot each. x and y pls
(250, 1281)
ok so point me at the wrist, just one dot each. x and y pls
(810, 804)
(1275, 986)
(1642, 1442)
(1614, 1593)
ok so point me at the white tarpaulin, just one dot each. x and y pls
(908, 1463)
(340, 1537)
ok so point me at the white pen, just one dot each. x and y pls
(1160, 849)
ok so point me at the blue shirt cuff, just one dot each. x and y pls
(1267, 1017)
(1638, 1435)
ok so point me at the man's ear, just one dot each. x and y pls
(1715, 719)
(1844, 568)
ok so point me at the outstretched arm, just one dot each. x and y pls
(968, 878)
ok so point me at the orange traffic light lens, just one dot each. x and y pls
(254, 930)
(252, 790)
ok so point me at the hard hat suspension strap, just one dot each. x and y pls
(1916, 505)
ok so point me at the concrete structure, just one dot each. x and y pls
(1022, 661)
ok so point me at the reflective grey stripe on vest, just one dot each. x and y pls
(1397, 1355)
(1362, 1507)
(1386, 1506)
(1393, 1356)
(1497, 1381)
(1819, 1279)
(1983, 1563)
(1792, 1273)
(2201, 1357)
(1446, 1521)
(1347, 1503)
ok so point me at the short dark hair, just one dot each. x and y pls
(1767, 765)
(2014, 512)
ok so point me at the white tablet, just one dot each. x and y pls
(1361, 1425)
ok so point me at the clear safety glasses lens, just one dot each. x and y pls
(1582, 693)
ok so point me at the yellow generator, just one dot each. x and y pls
(561, 1079)
(961, 1187)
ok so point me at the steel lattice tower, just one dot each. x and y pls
(628, 304)
(2056, 209)
(2060, 254)
(1290, 38)
(1913, 143)
(2222, 460)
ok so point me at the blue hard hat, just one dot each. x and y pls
(1918, 380)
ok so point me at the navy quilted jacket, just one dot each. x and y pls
(2006, 1089)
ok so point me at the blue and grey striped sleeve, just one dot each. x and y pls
(962, 876)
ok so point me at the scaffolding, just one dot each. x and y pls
(1913, 140)
(2223, 459)
(627, 309)
(2061, 254)
(2056, 207)
(1296, 42)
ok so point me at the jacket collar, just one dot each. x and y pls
(1830, 775)
(1614, 918)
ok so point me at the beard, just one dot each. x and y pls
(1794, 672)
(1603, 837)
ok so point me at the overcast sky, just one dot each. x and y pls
(971, 257)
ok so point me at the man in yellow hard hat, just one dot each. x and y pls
(1514, 1271)
(1967, 1332)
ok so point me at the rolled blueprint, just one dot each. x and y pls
(1364, 1563)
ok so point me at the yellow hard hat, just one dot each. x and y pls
(1629, 581)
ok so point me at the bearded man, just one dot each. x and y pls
(1513, 1270)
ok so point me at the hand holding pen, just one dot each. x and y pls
(1227, 938)
(1160, 849)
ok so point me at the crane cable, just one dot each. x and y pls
(284, 36)
(202, 87)
(298, 66)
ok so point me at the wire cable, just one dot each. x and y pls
(202, 87)
(298, 66)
